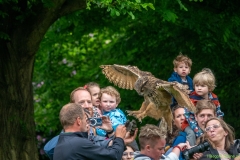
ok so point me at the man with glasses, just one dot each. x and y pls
(74, 142)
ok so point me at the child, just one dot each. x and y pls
(182, 67)
(109, 100)
(204, 84)
(94, 90)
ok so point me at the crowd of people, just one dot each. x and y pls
(94, 128)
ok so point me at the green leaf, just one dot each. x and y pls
(131, 14)
(113, 12)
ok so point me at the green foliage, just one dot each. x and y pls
(118, 7)
(208, 33)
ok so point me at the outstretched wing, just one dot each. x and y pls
(178, 91)
(123, 76)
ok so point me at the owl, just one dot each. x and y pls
(157, 93)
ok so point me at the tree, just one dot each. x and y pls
(206, 32)
(23, 25)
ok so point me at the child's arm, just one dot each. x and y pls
(191, 137)
(215, 100)
(220, 114)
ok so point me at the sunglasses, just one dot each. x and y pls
(125, 154)
(215, 126)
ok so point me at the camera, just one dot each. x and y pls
(131, 126)
(95, 121)
(202, 147)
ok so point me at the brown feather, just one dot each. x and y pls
(157, 93)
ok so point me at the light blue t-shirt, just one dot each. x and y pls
(116, 116)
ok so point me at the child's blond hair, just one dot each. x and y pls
(112, 92)
(205, 77)
(182, 58)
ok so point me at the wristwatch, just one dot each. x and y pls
(110, 131)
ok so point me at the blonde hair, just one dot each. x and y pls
(227, 128)
(182, 58)
(72, 100)
(205, 104)
(112, 92)
(149, 134)
(205, 77)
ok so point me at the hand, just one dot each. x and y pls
(188, 145)
(106, 124)
(121, 131)
(180, 147)
(128, 139)
(197, 155)
(183, 146)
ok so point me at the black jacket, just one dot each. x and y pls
(76, 146)
(212, 154)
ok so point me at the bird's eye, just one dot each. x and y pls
(142, 89)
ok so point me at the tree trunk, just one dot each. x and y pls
(17, 135)
(18, 141)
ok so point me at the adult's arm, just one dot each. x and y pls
(92, 152)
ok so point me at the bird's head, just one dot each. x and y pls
(142, 86)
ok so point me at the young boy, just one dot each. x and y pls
(182, 67)
(109, 100)
(204, 84)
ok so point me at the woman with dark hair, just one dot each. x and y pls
(128, 154)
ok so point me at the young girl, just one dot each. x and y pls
(94, 90)
(204, 84)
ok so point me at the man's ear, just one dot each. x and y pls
(195, 117)
(79, 121)
(148, 147)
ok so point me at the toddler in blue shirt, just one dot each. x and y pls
(109, 100)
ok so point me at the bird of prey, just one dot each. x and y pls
(157, 93)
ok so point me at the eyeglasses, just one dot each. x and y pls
(125, 154)
(215, 126)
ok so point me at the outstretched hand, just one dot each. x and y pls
(128, 138)
(106, 124)
(121, 131)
